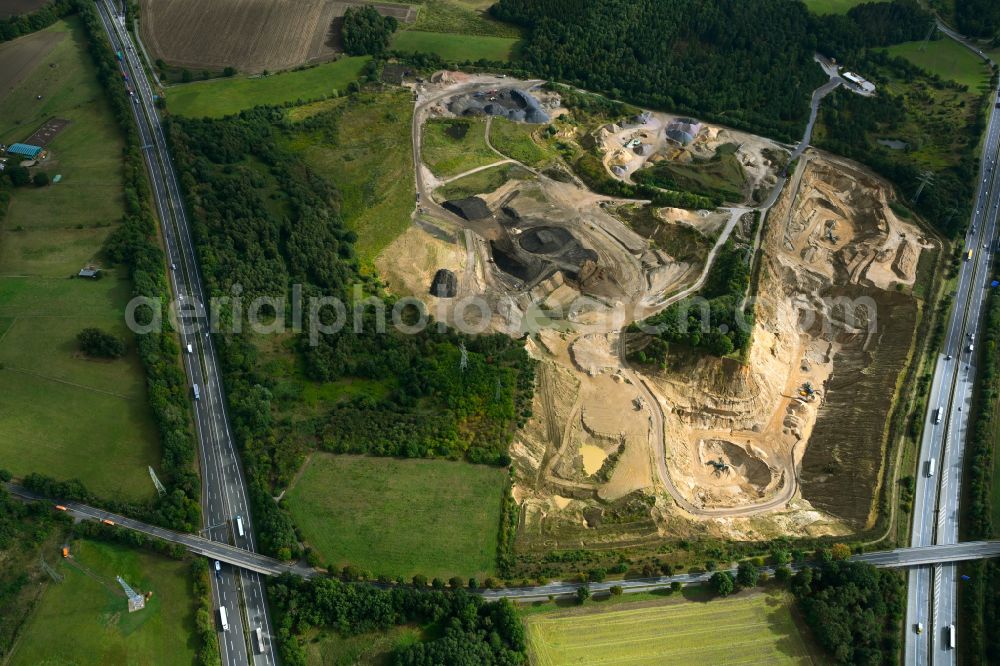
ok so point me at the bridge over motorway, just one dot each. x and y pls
(898, 558)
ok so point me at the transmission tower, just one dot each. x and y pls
(135, 600)
(156, 482)
(464, 363)
(926, 178)
(927, 38)
(53, 574)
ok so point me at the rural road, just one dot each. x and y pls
(225, 509)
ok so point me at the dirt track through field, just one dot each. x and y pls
(22, 55)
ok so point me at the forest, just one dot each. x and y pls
(265, 225)
(365, 31)
(853, 609)
(978, 18)
(463, 627)
(14, 26)
(745, 63)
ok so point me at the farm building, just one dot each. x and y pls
(89, 272)
(865, 85)
(683, 130)
(25, 150)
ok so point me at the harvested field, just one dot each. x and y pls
(250, 35)
(756, 628)
(14, 7)
(22, 55)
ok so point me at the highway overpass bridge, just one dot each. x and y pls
(898, 558)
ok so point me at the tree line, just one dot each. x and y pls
(365, 31)
(17, 25)
(978, 18)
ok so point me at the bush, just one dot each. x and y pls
(18, 175)
(582, 593)
(722, 583)
(41, 179)
(100, 344)
(616, 590)
(747, 574)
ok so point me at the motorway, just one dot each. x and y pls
(239, 590)
(932, 591)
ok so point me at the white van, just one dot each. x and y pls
(223, 618)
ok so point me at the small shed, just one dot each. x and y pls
(24, 150)
(89, 272)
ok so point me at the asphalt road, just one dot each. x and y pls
(239, 590)
(932, 591)
(238, 557)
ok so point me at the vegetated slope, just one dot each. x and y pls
(264, 221)
(747, 63)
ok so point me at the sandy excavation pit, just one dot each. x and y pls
(616, 455)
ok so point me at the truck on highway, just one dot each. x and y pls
(258, 636)
(239, 526)
(118, 54)
(968, 255)
(937, 415)
(931, 464)
(197, 392)
(223, 619)
(951, 637)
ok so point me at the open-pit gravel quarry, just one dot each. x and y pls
(788, 439)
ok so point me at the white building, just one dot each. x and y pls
(866, 86)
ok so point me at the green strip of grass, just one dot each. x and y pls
(222, 97)
(831, 6)
(452, 146)
(455, 48)
(400, 517)
(946, 58)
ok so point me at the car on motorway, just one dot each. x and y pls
(919, 627)
(218, 568)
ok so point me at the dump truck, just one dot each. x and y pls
(65, 551)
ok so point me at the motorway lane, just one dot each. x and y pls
(223, 498)
(931, 593)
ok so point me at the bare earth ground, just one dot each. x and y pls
(250, 35)
(615, 455)
(20, 58)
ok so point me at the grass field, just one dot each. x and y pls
(756, 628)
(831, 6)
(85, 620)
(515, 141)
(451, 146)
(328, 648)
(461, 17)
(481, 182)
(63, 414)
(368, 159)
(454, 48)
(946, 58)
(400, 517)
(221, 97)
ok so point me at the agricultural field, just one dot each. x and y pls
(754, 628)
(84, 619)
(515, 141)
(66, 415)
(452, 146)
(399, 517)
(367, 158)
(948, 59)
(455, 48)
(13, 7)
(221, 97)
(481, 182)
